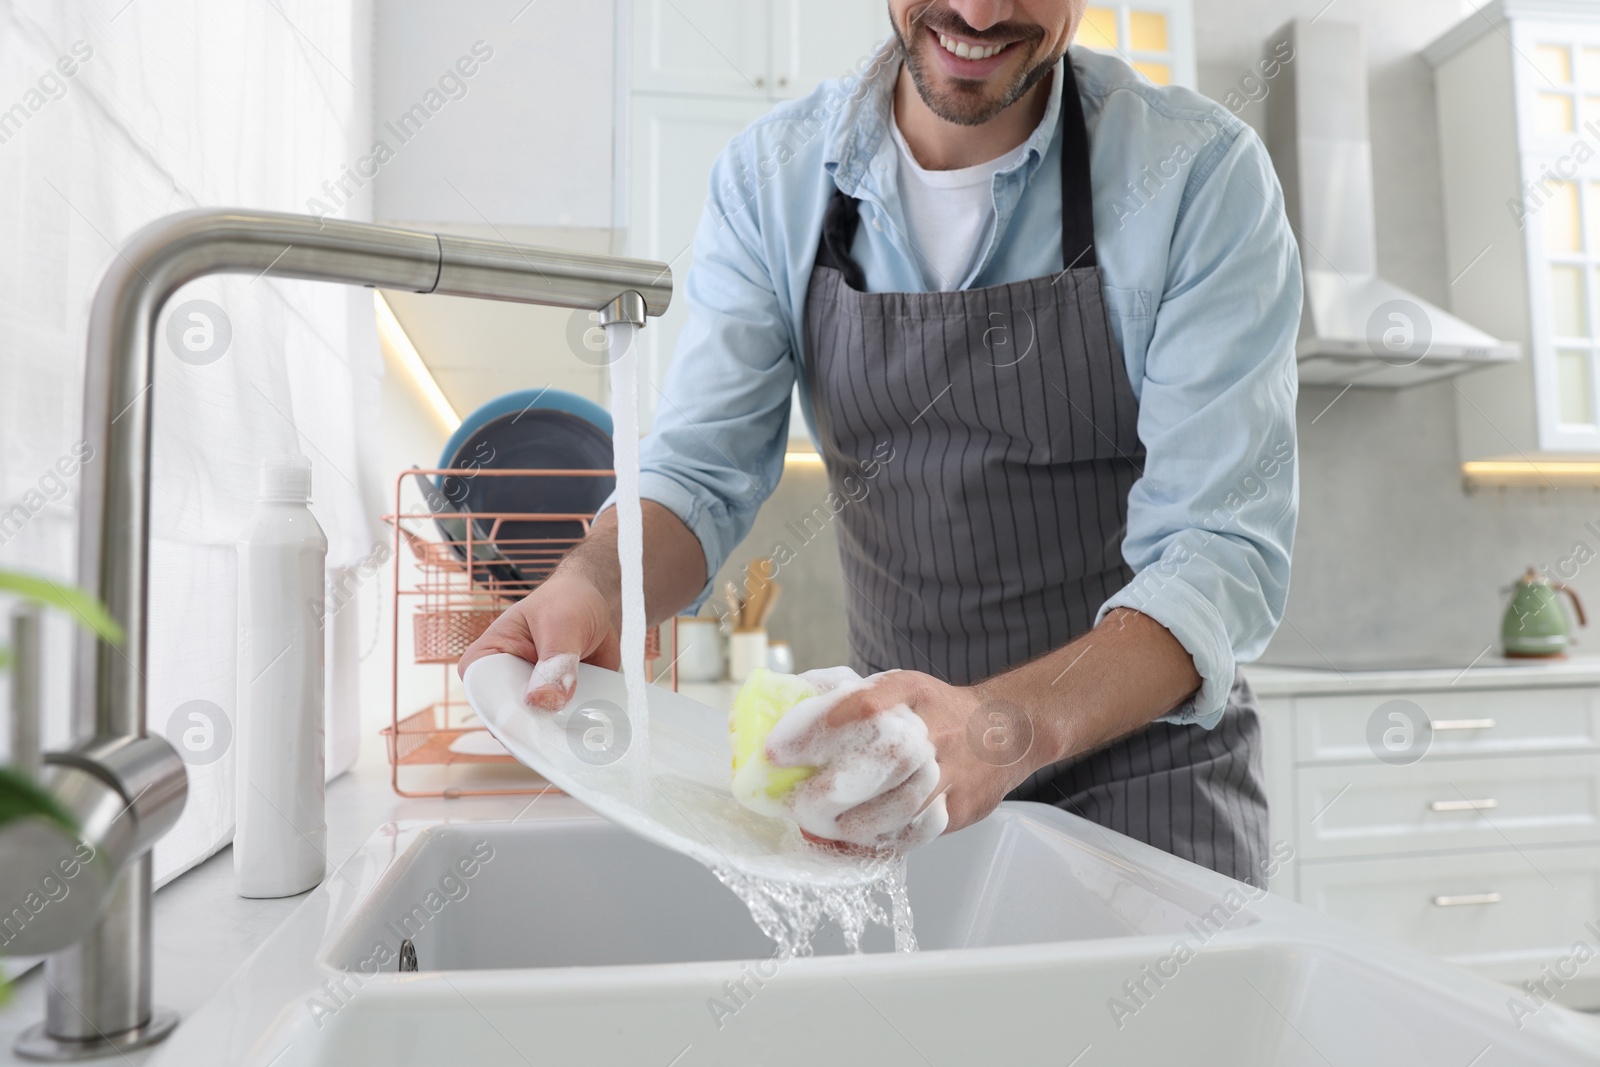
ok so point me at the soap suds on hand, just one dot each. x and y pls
(870, 782)
(876, 772)
(551, 683)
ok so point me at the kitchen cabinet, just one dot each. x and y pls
(813, 42)
(1502, 912)
(1371, 808)
(754, 49)
(716, 47)
(1482, 845)
(1518, 91)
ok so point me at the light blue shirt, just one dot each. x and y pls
(1202, 280)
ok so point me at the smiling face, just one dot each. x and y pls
(971, 59)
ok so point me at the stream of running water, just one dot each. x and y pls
(790, 913)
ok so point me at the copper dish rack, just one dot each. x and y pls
(454, 597)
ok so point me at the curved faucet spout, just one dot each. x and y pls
(164, 256)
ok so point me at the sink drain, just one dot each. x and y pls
(408, 956)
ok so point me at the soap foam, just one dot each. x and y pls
(886, 758)
(552, 673)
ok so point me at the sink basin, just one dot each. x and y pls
(570, 893)
(1044, 937)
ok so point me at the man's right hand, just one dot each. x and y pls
(576, 614)
(563, 621)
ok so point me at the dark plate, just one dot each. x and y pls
(536, 439)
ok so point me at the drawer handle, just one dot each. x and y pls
(1464, 899)
(1463, 724)
(1487, 804)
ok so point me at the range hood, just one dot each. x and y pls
(1357, 327)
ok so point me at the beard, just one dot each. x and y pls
(967, 102)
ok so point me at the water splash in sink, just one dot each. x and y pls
(791, 913)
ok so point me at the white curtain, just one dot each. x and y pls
(112, 114)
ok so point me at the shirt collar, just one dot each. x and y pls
(862, 132)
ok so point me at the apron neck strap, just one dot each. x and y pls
(1077, 193)
(839, 223)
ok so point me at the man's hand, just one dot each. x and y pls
(991, 736)
(976, 770)
(576, 613)
(563, 621)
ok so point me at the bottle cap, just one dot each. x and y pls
(286, 479)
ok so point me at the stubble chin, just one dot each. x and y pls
(961, 102)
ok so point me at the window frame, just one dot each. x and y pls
(1180, 54)
(1555, 154)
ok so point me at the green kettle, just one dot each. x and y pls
(1535, 625)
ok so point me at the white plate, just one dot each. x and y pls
(680, 799)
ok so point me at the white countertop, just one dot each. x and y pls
(711, 694)
(203, 931)
(1489, 672)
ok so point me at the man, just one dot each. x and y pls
(1054, 308)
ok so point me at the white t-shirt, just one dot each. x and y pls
(949, 214)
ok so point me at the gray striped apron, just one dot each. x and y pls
(994, 532)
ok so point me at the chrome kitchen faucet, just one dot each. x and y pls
(126, 787)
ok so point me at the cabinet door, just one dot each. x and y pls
(1469, 722)
(1444, 804)
(674, 142)
(701, 46)
(1505, 913)
(816, 40)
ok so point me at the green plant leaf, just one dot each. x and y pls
(89, 611)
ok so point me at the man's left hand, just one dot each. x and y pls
(985, 746)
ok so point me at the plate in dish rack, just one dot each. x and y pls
(675, 794)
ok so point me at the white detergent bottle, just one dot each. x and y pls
(280, 843)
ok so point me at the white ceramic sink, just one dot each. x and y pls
(1045, 939)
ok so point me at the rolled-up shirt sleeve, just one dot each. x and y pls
(1211, 520)
(715, 450)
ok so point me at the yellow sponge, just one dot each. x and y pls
(763, 700)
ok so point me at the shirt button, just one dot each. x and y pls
(877, 224)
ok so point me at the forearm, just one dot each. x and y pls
(1115, 679)
(674, 563)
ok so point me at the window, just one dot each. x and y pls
(1558, 74)
(1153, 36)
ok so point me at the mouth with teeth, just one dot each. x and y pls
(966, 51)
(966, 58)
